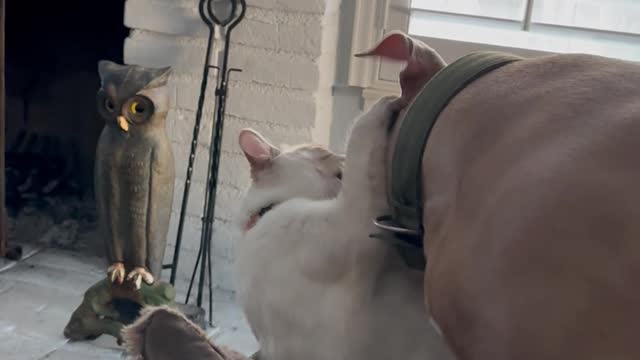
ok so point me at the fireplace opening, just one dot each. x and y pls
(52, 126)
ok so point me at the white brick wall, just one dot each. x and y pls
(284, 50)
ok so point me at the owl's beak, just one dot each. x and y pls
(122, 122)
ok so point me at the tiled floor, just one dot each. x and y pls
(39, 293)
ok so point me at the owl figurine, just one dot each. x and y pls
(134, 171)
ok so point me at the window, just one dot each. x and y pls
(524, 27)
(602, 27)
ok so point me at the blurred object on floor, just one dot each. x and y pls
(61, 222)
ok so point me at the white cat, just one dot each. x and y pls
(312, 284)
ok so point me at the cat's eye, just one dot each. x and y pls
(339, 175)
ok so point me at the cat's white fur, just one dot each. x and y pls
(312, 283)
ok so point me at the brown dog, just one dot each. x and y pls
(531, 183)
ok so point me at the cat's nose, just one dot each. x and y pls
(123, 123)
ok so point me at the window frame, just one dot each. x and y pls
(373, 19)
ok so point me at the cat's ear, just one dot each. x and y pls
(257, 150)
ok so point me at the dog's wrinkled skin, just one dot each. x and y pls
(532, 207)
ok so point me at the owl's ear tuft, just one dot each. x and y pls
(106, 66)
(160, 77)
(257, 150)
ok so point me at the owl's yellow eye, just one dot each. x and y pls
(136, 108)
(139, 109)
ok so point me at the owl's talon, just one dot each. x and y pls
(116, 273)
(138, 275)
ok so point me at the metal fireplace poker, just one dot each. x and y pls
(225, 15)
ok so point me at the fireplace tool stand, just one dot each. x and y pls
(226, 15)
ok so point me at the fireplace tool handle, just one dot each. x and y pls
(204, 252)
(194, 141)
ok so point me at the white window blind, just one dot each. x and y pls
(601, 27)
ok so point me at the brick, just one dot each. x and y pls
(196, 198)
(167, 17)
(173, 225)
(182, 131)
(269, 67)
(307, 6)
(262, 27)
(271, 104)
(301, 39)
(228, 202)
(230, 169)
(276, 16)
(170, 123)
(227, 198)
(156, 50)
(275, 133)
(256, 33)
(193, 224)
(181, 153)
(224, 238)
(234, 170)
(171, 85)
(185, 267)
(190, 232)
(188, 90)
(177, 3)
(228, 172)
(277, 46)
(222, 273)
(222, 255)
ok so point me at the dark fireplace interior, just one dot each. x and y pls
(52, 127)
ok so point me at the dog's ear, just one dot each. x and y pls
(422, 61)
(162, 333)
(258, 151)
(395, 45)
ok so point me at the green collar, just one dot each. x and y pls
(405, 188)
